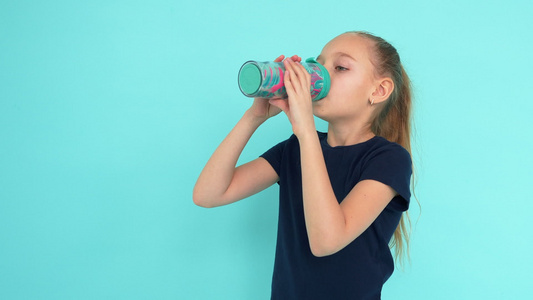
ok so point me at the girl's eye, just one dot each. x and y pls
(340, 68)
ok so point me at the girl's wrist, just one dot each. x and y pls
(253, 119)
(305, 128)
(308, 134)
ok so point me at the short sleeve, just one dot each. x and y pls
(391, 166)
(274, 155)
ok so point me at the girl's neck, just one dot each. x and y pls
(348, 135)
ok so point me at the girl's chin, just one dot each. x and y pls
(317, 103)
(318, 112)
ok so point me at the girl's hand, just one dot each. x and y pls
(261, 108)
(298, 107)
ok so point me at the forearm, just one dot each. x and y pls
(324, 217)
(217, 174)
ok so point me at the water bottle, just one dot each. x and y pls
(265, 79)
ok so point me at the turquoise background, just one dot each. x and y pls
(109, 110)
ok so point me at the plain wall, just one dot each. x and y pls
(109, 110)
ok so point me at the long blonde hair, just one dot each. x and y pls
(393, 120)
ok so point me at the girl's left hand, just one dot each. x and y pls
(298, 107)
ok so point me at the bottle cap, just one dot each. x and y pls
(327, 81)
(250, 78)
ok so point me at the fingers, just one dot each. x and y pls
(296, 58)
(288, 84)
(297, 79)
(297, 76)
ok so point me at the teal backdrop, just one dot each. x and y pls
(109, 110)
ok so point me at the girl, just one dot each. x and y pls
(342, 193)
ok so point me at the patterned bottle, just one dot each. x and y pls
(265, 79)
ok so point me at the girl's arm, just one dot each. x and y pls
(220, 182)
(330, 226)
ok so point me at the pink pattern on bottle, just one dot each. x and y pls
(280, 83)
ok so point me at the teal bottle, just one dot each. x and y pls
(265, 79)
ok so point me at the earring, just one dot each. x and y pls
(371, 102)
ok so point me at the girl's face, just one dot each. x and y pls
(347, 59)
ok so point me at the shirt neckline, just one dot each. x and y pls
(324, 142)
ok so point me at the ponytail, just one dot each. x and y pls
(393, 121)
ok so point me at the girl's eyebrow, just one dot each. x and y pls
(339, 54)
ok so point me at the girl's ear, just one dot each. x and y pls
(384, 88)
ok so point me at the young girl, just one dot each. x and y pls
(342, 193)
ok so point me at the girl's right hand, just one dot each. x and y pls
(261, 108)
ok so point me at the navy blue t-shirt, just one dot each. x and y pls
(359, 270)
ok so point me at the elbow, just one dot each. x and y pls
(200, 203)
(318, 253)
(321, 249)
(200, 200)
